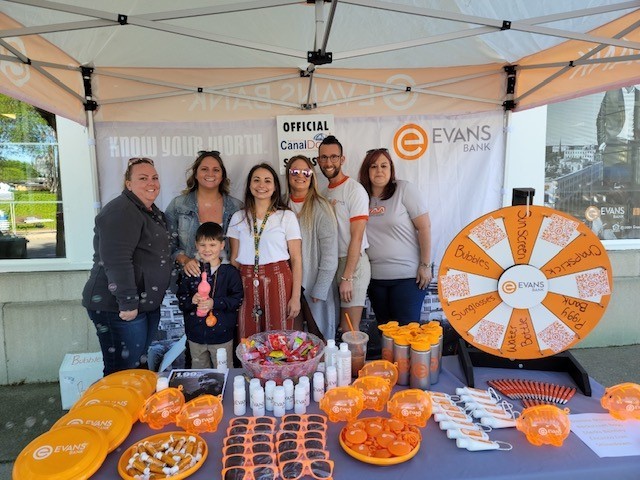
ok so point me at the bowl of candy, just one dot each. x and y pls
(280, 354)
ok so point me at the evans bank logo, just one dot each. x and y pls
(510, 286)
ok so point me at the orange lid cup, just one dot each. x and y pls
(162, 408)
(381, 368)
(113, 420)
(421, 343)
(402, 338)
(342, 403)
(544, 424)
(412, 406)
(202, 414)
(391, 325)
(376, 391)
(143, 382)
(127, 397)
(71, 451)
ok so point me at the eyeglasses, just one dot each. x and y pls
(304, 435)
(251, 459)
(136, 160)
(333, 158)
(288, 445)
(303, 455)
(320, 469)
(248, 448)
(249, 438)
(298, 171)
(214, 153)
(303, 426)
(386, 150)
(256, 472)
(247, 429)
(252, 421)
(294, 417)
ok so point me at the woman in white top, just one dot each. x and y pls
(266, 246)
(319, 247)
(399, 233)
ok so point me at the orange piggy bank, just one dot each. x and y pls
(622, 401)
(544, 424)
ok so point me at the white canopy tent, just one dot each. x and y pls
(148, 61)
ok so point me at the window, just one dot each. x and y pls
(592, 161)
(31, 214)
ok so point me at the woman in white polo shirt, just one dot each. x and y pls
(399, 233)
(266, 246)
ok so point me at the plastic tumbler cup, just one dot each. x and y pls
(357, 343)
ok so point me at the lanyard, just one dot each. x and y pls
(256, 241)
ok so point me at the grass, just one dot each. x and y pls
(39, 210)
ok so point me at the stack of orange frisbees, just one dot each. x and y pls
(78, 443)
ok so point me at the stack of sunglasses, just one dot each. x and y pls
(255, 448)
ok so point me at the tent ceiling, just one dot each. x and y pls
(361, 35)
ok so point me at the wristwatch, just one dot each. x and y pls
(428, 265)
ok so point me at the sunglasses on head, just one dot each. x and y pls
(249, 448)
(214, 153)
(311, 444)
(295, 469)
(300, 435)
(254, 472)
(386, 150)
(310, 417)
(249, 438)
(241, 460)
(137, 160)
(303, 455)
(300, 171)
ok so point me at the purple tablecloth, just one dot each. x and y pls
(439, 458)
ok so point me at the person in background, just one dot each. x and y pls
(266, 246)
(223, 300)
(319, 247)
(206, 199)
(351, 205)
(399, 233)
(131, 269)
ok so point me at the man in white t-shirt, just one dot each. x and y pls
(351, 204)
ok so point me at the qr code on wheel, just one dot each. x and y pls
(489, 333)
(488, 233)
(559, 230)
(557, 336)
(455, 286)
(593, 284)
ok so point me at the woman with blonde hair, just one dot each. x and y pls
(319, 247)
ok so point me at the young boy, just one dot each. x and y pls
(224, 299)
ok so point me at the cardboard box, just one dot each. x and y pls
(77, 372)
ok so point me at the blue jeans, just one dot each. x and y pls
(124, 344)
(399, 300)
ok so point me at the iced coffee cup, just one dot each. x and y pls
(357, 343)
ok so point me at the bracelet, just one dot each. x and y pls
(428, 265)
(346, 279)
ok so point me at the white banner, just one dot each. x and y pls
(458, 162)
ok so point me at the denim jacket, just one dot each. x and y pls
(183, 221)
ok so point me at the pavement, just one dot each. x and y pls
(29, 410)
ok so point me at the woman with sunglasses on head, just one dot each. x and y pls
(266, 247)
(319, 247)
(399, 232)
(131, 269)
(206, 199)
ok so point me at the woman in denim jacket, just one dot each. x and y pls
(206, 199)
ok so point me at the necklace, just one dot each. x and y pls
(257, 311)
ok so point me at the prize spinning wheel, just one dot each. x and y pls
(525, 282)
